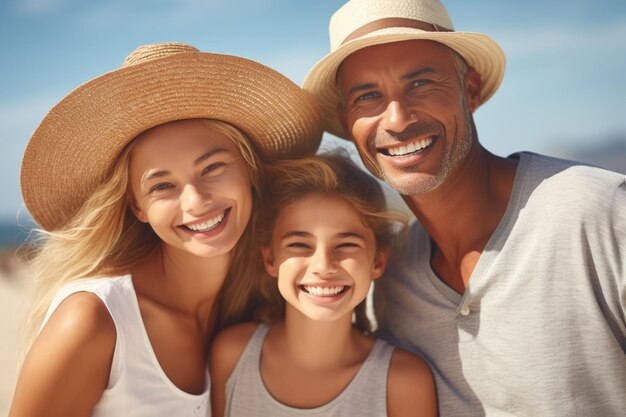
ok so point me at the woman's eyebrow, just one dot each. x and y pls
(209, 154)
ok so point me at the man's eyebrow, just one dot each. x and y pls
(362, 87)
(408, 76)
(417, 73)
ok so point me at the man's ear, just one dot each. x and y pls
(341, 114)
(473, 89)
(268, 261)
(380, 263)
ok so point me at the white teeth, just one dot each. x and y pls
(203, 227)
(323, 291)
(406, 149)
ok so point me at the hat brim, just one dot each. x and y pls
(75, 145)
(480, 52)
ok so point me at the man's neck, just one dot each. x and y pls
(461, 215)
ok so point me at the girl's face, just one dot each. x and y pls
(191, 184)
(324, 256)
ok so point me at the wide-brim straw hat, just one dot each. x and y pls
(362, 23)
(77, 142)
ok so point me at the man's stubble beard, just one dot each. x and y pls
(452, 156)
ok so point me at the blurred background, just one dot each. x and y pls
(563, 94)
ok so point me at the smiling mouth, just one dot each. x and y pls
(208, 224)
(409, 148)
(323, 291)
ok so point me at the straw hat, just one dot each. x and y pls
(76, 143)
(362, 23)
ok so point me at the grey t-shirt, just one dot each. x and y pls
(541, 327)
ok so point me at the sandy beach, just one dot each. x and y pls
(12, 276)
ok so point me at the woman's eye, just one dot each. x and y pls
(160, 187)
(213, 167)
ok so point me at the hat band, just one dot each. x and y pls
(393, 22)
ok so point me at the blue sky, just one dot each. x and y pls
(564, 84)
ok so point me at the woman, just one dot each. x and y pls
(145, 181)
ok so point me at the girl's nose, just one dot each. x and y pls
(323, 262)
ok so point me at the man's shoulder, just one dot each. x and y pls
(538, 164)
(562, 177)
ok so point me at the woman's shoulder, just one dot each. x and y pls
(72, 353)
(411, 386)
(82, 315)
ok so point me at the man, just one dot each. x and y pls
(513, 283)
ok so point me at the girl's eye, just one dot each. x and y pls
(298, 245)
(213, 167)
(348, 246)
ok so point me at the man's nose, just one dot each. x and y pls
(397, 117)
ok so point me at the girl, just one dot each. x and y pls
(326, 238)
(146, 200)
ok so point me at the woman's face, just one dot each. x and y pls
(191, 184)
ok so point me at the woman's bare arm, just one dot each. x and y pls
(67, 368)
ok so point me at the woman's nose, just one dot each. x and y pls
(194, 197)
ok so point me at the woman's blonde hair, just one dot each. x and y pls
(105, 239)
(332, 174)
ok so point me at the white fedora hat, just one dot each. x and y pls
(362, 23)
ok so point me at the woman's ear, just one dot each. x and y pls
(268, 261)
(139, 214)
(380, 263)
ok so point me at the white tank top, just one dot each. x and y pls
(365, 396)
(138, 386)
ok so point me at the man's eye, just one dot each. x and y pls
(419, 83)
(367, 96)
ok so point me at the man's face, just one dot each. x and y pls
(407, 106)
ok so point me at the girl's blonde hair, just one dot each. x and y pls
(105, 239)
(332, 174)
